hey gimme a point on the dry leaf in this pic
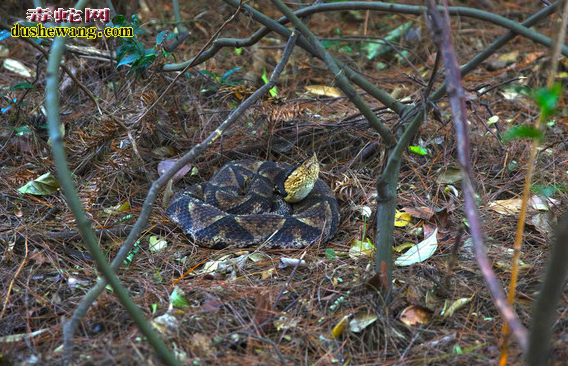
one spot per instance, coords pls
(339, 327)
(421, 212)
(449, 175)
(420, 252)
(402, 219)
(513, 206)
(361, 320)
(361, 248)
(414, 314)
(18, 68)
(324, 91)
(456, 305)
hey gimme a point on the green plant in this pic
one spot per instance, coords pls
(11, 99)
(132, 51)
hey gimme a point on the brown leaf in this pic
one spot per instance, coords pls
(415, 314)
(422, 212)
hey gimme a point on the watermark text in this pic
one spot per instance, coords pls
(39, 31)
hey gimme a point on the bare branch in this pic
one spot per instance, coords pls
(440, 26)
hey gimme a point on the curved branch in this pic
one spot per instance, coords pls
(340, 78)
(419, 10)
(498, 43)
(274, 26)
(514, 27)
(160, 183)
(70, 192)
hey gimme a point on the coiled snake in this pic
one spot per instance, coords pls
(248, 203)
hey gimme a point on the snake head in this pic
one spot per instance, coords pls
(300, 180)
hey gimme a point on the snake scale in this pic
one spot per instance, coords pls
(249, 203)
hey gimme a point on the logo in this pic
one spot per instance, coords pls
(73, 16)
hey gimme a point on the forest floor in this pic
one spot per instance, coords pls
(247, 307)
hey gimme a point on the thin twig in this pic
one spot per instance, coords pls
(540, 124)
(52, 102)
(14, 279)
(439, 24)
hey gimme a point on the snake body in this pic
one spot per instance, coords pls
(240, 207)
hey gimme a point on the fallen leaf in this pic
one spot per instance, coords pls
(414, 314)
(513, 206)
(365, 211)
(44, 185)
(18, 68)
(507, 265)
(401, 219)
(421, 212)
(361, 320)
(339, 327)
(503, 61)
(420, 252)
(455, 306)
(544, 222)
(292, 262)
(166, 324)
(361, 248)
(449, 175)
(402, 247)
(157, 243)
(21, 336)
(168, 163)
(324, 91)
(120, 207)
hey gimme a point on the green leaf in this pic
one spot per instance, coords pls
(160, 37)
(523, 132)
(547, 99)
(347, 49)
(238, 51)
(418, 150)
(147, 59)
(264, 76)
(212, 75)
(118, 20)
(380, 47)
(226, 75)
(178, 300)
(330, 254)
(128, 59)
(549, 191)
(328, 44)
(21, 130)
(273, 91)
(24, 85)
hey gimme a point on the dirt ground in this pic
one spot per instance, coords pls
(247, 307)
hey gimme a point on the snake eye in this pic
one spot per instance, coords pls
(301, 179)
